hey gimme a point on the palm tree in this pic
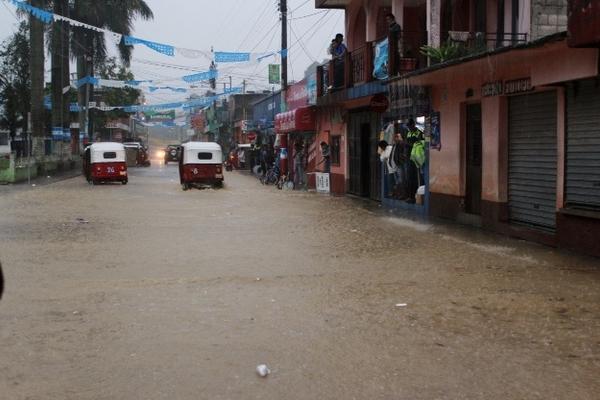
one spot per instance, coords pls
(89, 47)
(36, 38)
(59, 49)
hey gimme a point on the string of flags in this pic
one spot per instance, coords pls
(193, 103)
(166, 49)
(151, 86)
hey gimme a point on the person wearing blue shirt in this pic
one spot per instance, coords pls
(338, 51)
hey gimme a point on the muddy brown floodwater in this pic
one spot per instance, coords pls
(148, 292)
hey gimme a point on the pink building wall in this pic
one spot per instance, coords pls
(546, 65)
(330, 122)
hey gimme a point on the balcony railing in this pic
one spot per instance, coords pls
(475, 42)
(357, 67)
(362, 65)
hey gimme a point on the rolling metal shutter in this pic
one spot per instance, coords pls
(532, 160)
(582, 183)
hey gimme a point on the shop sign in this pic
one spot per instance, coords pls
(301, 119)
(274, 74)
(311, 88)
(492, 89)
(323, 183)
(198, 122)
(297, 95)
(506, 88)
(517, 86)
(117, 125)
(248, 125)
(379, 103)
(160, 116)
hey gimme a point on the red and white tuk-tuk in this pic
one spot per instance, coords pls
(105, 162)
(201, 163)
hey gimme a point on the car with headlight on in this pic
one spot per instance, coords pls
(172, 153)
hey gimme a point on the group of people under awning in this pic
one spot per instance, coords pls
(403, 160)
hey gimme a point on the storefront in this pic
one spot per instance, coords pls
(401, 187)
(578, 221)
(331, 129)
(519, 142)
(296, 131)
(364, 124)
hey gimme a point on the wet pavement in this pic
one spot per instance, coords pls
(145, 291)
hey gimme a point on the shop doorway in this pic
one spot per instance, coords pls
(365, 159)
(474, 160)
(364, 168)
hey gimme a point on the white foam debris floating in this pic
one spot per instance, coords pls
(262, 370)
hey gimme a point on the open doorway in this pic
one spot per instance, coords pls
(365, 160)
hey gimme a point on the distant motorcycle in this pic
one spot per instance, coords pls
(1, 281)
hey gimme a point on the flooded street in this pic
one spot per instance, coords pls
(145, 291)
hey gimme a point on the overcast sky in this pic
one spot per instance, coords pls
(225, 25)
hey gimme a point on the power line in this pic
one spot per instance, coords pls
(308, 15)
(300, 6)
(268, 3)
(302, 45)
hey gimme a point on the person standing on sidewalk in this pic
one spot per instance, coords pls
(1, 281)
(326, 154)
(299, 165)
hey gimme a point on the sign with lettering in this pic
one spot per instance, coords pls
(517, 86)
(323, 185)
(506, 88)
(297, 95)
(379, 103)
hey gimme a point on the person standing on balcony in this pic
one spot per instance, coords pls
(338, 51)
(395, 34)
(337, 48)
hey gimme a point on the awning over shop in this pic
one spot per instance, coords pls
(299, 120)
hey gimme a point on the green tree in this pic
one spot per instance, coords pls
(90, 47)
(111, 69)
(15, 82)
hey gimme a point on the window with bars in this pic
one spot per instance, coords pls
(335, 150)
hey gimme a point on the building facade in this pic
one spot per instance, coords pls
(511, 120)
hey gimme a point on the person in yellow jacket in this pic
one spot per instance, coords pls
(414, 138)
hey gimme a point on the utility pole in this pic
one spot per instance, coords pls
(284, 45)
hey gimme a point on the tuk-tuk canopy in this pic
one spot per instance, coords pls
(202, 153)
(107, 152)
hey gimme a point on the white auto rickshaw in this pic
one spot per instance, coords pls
(201, 163)
(105, 162)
